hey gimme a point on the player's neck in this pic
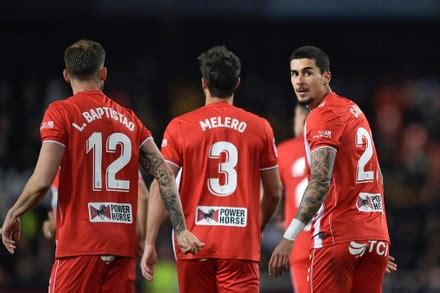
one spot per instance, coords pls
(317, 102)
(85, 86)
(210, 99)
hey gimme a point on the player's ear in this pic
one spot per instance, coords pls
(327, 77)
(66, 76)
(103, 74)
(204, 84)
(238, 83)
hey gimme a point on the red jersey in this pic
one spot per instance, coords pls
(97, 196)
(292, 161)
(354, 208)
(222, 149)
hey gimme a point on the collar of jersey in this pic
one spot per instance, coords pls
(219, 103)
(91, 92)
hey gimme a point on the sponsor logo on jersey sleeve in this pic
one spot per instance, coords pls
(323, 134)
(221, 216)
(100, 212)
(48, 124)
(369, 202)
(164, 142)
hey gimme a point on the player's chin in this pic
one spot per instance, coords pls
(304, 99)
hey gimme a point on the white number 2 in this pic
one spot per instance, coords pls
(227, 168)
(94, 143)
(362, 175)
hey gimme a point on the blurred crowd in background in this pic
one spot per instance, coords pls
(389, 68)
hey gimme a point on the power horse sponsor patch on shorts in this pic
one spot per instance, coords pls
(111, 212)
(221, 216)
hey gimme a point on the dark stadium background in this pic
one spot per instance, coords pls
(384, 55)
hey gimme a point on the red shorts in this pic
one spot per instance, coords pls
(298, 274)
(218, 275)
(89, 273)
(356, 266)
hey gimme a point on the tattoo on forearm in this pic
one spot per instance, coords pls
(156, 166)
(323, 160)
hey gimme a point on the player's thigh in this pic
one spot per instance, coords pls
(331, 269)
(77, 274)
(197, 275)
(370, 269)
(299, 275)
(118, 277)
(235, 275)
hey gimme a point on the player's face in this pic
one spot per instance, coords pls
(309, 84)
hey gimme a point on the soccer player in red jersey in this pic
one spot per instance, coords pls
(224, 152)
(99, 145)
(344, 195)
(292, 162)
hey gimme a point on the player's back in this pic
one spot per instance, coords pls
(354, 208)
(99, 174)
(222, 149)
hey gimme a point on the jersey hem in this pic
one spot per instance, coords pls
(94, 253)
(349, 240)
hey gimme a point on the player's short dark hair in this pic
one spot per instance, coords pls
(83, 59)
(311, 52)
(220, 69)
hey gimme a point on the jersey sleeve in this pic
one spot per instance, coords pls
(53, 128)
(144, 133)
(170, 148)
(323, 128)
(269, 157)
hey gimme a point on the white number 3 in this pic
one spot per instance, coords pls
(227, 168)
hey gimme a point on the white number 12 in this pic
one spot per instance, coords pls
(94, 143)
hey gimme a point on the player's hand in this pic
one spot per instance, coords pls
(279, 261)
(49, 226)
(149, 260)
(11, 232)
(188, 242)
(391, 265)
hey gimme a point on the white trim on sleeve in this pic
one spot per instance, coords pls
(53, 141)
(269, 168)
(324, 146)
(142, 143)
(172, 163)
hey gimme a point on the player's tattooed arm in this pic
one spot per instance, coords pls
(322, 163)
(152, 161)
